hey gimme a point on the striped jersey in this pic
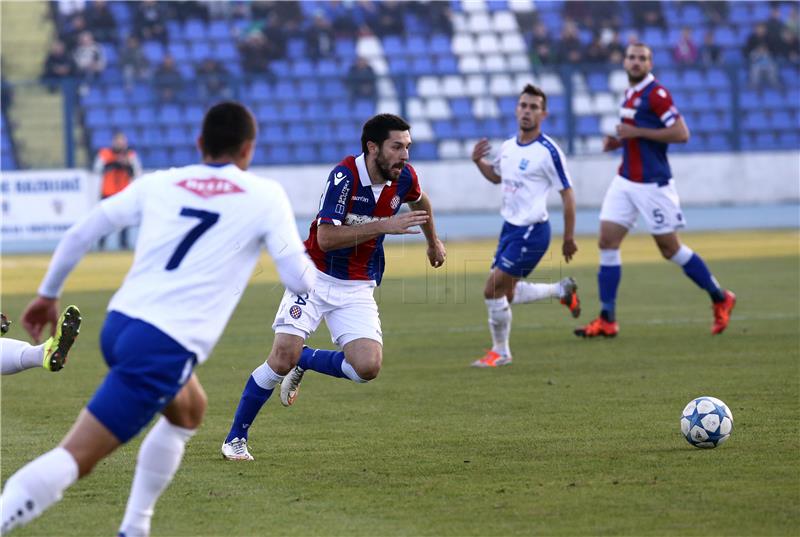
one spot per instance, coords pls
(528, 172)
(648, 104)
(350, 199)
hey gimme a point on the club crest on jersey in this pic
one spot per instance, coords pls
(395, 203)
(295, 312)
(208, 188)
(524, 163)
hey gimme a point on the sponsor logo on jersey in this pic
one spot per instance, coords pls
(362, 199)
(344, 195)
(524, 163)
(395, 203)
(208, 188)
(361, 219)
(338, 178)
(295, 312)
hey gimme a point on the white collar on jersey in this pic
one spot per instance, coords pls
(363, 173)
(641, 85)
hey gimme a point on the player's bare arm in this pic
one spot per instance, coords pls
(677, 133)
(41, 311)
(436, 250)
(569, 248)
(331, 237)
(479, 156)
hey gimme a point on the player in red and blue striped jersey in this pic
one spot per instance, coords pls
(359, 207)
(644, 185)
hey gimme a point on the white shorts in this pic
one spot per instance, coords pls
(348, 307)
(659, 205)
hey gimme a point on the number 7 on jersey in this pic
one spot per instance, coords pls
(207, 219)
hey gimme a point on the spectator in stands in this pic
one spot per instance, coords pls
(69, 8)
(167, 80)
(647, 13)
(346, 19)
(542, 49)
(135, 65)
(595, 51)
(361, 80)
(715, 11)
(615, 50)
(117, 165)
(213, 80)
(593, 15)
(388, 19)
(319, 38)
(189, 9)
(58, 66)
(71, 31)
(685, 51)
(100, 21)
(789, 47)
(437, 15)
(763, 69)
(256, 52)
(775, 26)
(90, 60)
(710, 52)
(793, 21)
(570, 49)
(149, 21)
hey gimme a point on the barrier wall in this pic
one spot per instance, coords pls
(39, 205)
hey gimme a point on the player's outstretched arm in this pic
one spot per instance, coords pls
(569, 248)
(479, 156)
(331, 237)
(41, 311)
(436, 250)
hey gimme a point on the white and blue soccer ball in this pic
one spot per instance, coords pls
(706, 422)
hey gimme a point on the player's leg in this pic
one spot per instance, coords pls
(42, 482)
(160, 456)
(282, 358)
(496, 293)
(354, 322)
(20, 355)
(617, 215)
(51, 355)
(696, 270)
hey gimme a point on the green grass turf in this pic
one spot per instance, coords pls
(577, 437)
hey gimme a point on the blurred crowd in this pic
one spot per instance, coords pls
(261, 30)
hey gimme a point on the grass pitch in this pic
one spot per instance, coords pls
(577, 437)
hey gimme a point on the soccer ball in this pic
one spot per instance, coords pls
(706, 422)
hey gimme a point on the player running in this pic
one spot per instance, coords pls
(359, 207)
(644, 185)
(528, 166)
(202, 228)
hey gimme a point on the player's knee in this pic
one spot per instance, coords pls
(193, 417)
(368, 367)
(283, 358)
(607, 243)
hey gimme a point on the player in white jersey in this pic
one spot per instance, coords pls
(527, 166)
(202, 228)
(19, 355)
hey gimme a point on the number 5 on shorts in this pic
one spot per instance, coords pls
(207, 219)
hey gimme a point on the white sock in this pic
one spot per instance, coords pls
(35, 487)
(526, 292)
(265, 377)
(350, 372)
(159, 458)
(499, 324)
(19, 355)
(682, 256)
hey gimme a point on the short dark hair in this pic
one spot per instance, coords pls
(377, 128)
(226, 126)
(530, 89)
(639, 44)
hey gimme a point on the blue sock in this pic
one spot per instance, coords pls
(322, 361)
(608, 278)
(253, 398)
(698, 272)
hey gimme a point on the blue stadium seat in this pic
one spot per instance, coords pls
(718, 79)
(444, 128)
(175, 135)
(219, 30)
(461, 107)
(774, 99)
(280, 68)
(345, 49)
(302, 68)
(424, 151)
(292, 111)
(422, 65)
(339, 110)
(447, 64)
(170, 114)
(97, 117)
(200, 51)
(597, 81)
(297, 132)
(755, 121)
(193, 115)
(272, 132)
(693, 79)
(309, 89)
(789, 140)
(121, 117)
(284, 91)
(328, 67)
(258, 90)
(718, 142)
(116, 96)
(195, 30)
(416, 45)
(587, 126)
(363, 109)
(655, 37)
(790, 76)
(393, 43)
(226, 52)
(304, 153)
(468, 128)
(154, 52)
(440, 44)
(335, 89)
(146, 116)
(183, 156)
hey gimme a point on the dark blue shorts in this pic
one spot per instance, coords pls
(148, 368)
(520, 248)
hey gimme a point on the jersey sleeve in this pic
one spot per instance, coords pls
(557, 172)
(336, 198)
(662, 105)
(124, 208)
(414, 193)
(281, 236)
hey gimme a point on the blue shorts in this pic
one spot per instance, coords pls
(148, 368)
(520, 248)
